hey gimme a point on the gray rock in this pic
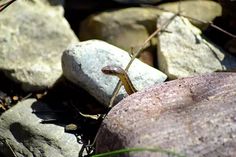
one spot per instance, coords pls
(182, 51)
(32, 42)
(203, 10)
(82, 64)
(21, 130)
(190, 117)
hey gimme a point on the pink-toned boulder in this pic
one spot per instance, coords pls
(193, 116)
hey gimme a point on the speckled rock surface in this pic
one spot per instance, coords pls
(32, 42)
(182, 51)
(192, 116)
(82, 64)
(22, 130)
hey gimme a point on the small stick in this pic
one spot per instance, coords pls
(129, 64)
(9, 146)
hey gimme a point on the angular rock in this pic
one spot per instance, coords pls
(228, 22)
(21, 130)
(52, 4)
(82, 64)
(204, 10)
(183, 52)
(123, 31)
(192, 117)
(31, 43)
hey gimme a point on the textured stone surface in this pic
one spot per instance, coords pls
(204, 10)
(183, 52)
(124, 28)
(191, 116)
(32, 41)
(22, 130)
(82, 64)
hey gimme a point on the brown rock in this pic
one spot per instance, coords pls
(203, 10)
(192, 116)
(147, 57)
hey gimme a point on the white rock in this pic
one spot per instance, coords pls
(82, 64)
(182, 51)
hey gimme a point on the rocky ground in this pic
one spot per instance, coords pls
(53, 94)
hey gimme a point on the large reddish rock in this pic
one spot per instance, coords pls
(193, 116)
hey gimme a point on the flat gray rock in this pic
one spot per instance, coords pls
(182, 51)
(82, 64)
(33, 37)
(194, 117)
(22, 130)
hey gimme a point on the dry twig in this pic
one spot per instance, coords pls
(137, 52)
(118, 86)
